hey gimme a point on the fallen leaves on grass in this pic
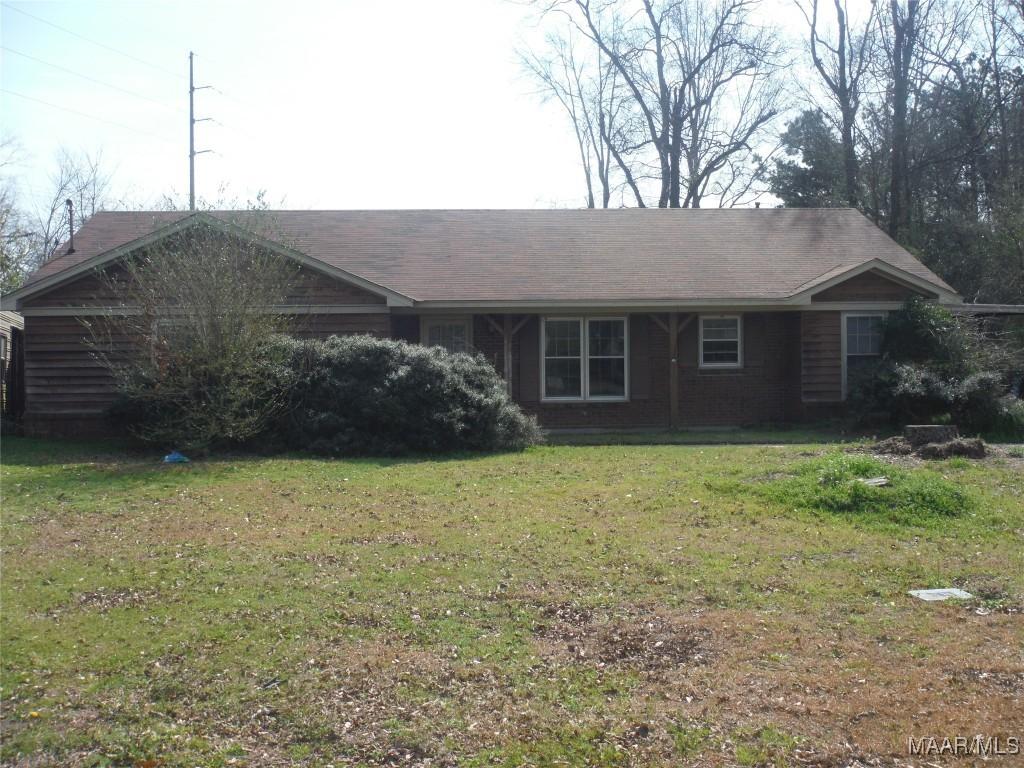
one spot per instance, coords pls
(636, 638)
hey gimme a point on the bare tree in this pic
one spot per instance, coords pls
(698, 89)
(15, 234)
(842, 60)
(587, 91)
(81, 178)
(188, 354)
(921, 40)
(728, 95)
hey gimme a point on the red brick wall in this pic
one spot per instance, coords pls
(648, 409)
(764, 390)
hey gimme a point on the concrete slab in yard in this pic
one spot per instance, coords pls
(932, 595)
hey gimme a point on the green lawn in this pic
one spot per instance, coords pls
(570, 605)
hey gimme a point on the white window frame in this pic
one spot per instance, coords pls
(426, 321)
(739, 342)
(585, 396)
(842, 346)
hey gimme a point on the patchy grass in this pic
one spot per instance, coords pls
(605, 606)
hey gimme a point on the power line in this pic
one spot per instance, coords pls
(94, 42)
(92, 79)
(86, 114)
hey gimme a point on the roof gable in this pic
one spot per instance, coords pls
(153, 228)
(873, 285)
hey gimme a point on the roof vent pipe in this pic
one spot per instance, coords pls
(71, 224)
(757, 205)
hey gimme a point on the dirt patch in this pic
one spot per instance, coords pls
(103, 600)
(970, 447)
(894, 446)
(1005, 681)
(638, 638)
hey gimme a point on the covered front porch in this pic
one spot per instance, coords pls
(604, 369)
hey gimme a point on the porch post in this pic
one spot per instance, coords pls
(673, 370)
(508, 332)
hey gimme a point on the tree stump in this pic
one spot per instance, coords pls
(922, 434)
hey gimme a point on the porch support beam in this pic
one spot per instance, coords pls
(673, 370)
(508, 331)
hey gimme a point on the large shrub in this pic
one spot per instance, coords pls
(191, 356)
(937, 366)
(362, 395)
(192, 401)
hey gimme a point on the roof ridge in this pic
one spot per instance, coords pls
(603, 211)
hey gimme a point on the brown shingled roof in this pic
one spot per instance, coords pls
(558, 255)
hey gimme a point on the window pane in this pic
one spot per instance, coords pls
(451, 336)
(721, 352)
(720, 341)
(607, 377)
(863, 335)
(607, 338)
(727, 328)
(562, 378)
(562, 338)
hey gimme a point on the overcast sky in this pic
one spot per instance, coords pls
(333, 104)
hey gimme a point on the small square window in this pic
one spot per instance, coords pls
(720, 342)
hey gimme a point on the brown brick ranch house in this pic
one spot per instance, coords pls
(596, 319)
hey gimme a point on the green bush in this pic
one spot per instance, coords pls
(1009, 425)
(197, 401)
(362, 395)
(832, 484)
(979, 401)
(924, 332)
(937, 367)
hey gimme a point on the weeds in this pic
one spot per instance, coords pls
(834, 485)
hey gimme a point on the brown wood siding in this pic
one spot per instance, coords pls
(869, 286)
(322, 326)
(313, 287)
(93, 289)
(61, 374)
(821, 365)
(68, 391)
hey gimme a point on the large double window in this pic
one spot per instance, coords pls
(584, 358)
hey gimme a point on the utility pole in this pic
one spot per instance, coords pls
(192, 88)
